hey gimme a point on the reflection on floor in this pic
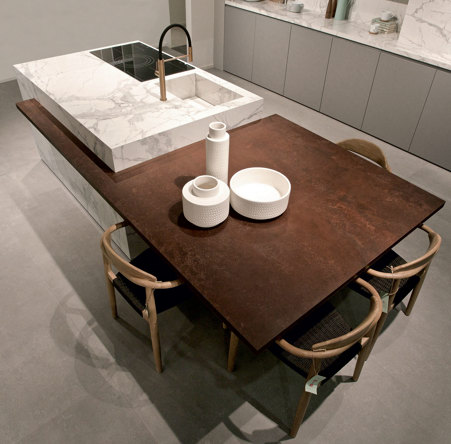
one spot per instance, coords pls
(70, 373)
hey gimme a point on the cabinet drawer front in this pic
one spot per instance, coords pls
(239, 30)
(270, 53)
(308, 57)
(349, 78)
(399, 92)
(432, 139)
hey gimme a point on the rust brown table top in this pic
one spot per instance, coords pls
(260, 277)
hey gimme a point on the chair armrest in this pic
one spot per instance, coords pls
(166, 284)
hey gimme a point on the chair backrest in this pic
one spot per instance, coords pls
(416, 266)
(132, 273)
(338, 345)
(366, 149)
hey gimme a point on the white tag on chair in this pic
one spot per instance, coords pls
(312, 384)
(385, 299)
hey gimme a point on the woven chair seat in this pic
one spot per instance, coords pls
(135, 295)
(391, 259)
(324, 324)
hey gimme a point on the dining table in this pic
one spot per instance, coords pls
(260, 277)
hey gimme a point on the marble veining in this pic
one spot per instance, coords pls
(121, 119)
(355, 29)
(428, 24)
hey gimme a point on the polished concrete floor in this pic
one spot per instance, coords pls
(70, 373)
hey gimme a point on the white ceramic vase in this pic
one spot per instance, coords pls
(217, 151)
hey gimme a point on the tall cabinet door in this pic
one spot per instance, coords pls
(399, 92)
(270, 53)
(308, 57)
(239, 30)
(432, 139)
(348, 81)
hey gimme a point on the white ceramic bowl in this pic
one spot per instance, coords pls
(259, 193)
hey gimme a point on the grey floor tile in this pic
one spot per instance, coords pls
(92, 421)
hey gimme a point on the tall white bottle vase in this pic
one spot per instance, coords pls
(217, 151)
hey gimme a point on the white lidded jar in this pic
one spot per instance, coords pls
(217, 151)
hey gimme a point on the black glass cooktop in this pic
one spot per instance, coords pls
(139, 60)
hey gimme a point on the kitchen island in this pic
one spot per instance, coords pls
(122, 119)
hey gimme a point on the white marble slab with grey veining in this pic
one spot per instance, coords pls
(356, 29)
(121, 119)
(427, 24)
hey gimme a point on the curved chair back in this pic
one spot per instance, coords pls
(335, 346)
(416, 266)
(366, 149)
(134, 274)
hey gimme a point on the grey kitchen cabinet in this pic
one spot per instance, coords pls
(397, 99)
(272, 38)
(348, 83)
(308, 56)
(239, 32)
(432, 139)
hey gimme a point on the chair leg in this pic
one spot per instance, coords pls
(300, 413)
(112, 298)
(153, 325)
(304, 400)
(379, 326)
(233, 347)
(359, 365)
(362, 357)
(155, 338)
(110, 289)
(414, 295)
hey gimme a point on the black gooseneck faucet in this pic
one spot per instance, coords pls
(160, 71)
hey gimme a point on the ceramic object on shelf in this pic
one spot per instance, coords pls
(341, 12)
(259, 193)
(374, 28)
(205, 201)
(217, 151)
(295, 6)
(384, 27)
(331, 7)
(386, 15)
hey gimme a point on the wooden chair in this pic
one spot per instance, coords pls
(392, 275)
(323, 344)
(138, 285)
(366, 149)
(394, 278)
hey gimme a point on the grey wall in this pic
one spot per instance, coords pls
(35, 29)
(200, 21)
(218, 50)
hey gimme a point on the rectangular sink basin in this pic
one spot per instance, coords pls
(199, 90)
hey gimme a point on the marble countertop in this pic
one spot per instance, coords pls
(356, 31)
(113, 113)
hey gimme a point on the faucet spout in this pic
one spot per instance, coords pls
(162, 61)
